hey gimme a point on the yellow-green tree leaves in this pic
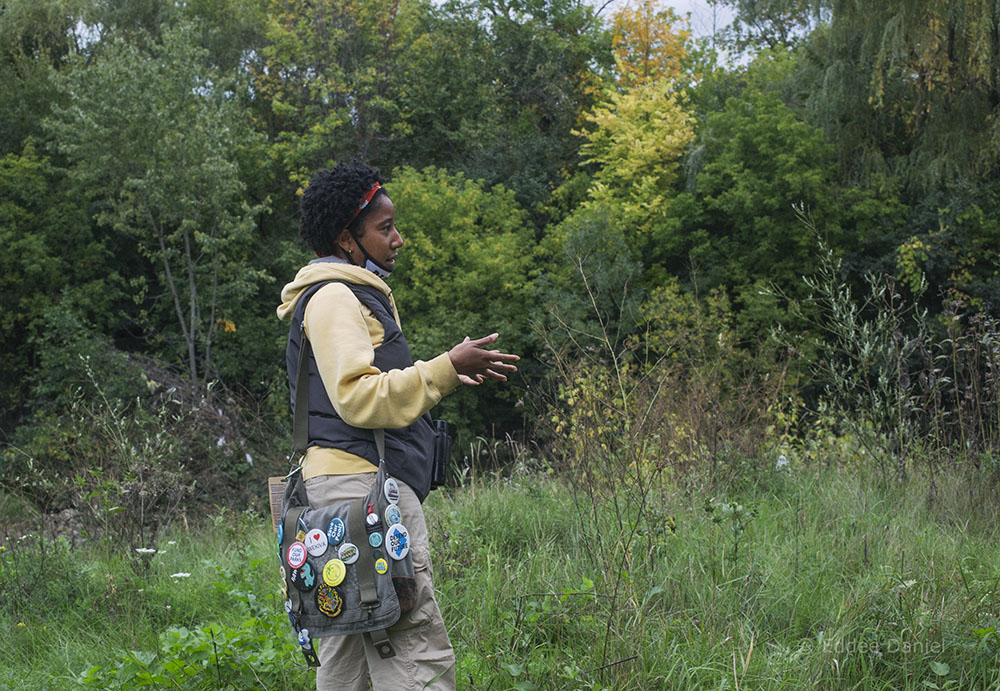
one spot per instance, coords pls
(647, 45)
(637, 141)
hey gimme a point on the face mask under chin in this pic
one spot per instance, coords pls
(376, 269)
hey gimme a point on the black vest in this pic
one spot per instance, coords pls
(408, 450)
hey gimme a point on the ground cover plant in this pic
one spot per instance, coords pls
(839, 582)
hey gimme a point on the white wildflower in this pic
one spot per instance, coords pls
(249, 459)
(180, 574)
(145, 550)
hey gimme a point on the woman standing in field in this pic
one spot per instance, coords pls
(362, 377)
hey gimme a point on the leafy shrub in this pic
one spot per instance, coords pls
(252, 655)
(468, 271)
(128, 447)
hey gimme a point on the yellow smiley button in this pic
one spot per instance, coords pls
(334, 572)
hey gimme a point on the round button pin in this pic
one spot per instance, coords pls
(391, 491)
(393, 515)
(304, 578)
(397, 541)
(334, 572)
(348, 553)
(375, 539)
(372, 519)
(296, 555)
(335, 532)
(316, 542)
(381, 566)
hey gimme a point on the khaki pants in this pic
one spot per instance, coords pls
(424, 658)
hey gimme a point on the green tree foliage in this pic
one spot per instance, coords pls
(329, 76)
(592, 286)
(36, 37)
(908, 94)
(466, 270)
(545, 62)
(491, 89)
(151, 134)
(911, 88)
(550, 164)
(469, 260)
(48, 252)
(773, 24)
(633, 140)
(735, 224)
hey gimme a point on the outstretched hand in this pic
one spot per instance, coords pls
(475, 364)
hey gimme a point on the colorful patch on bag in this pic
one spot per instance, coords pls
(397, 541)
(328, 600)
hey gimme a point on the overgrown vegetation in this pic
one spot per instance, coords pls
(839, 583)
(754, 441)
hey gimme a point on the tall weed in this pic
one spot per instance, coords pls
(915, 393)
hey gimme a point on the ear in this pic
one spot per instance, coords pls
(345, 241)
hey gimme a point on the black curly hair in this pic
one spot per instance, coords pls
(328, 204)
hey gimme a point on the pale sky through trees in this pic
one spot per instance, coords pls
(701, 12)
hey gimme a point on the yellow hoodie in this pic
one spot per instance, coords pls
(344, 334)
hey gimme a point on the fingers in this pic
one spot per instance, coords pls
(495, 375)
(485, 340)
(500, 365)
(475, 364)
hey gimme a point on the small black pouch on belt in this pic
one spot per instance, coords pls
(442, 454)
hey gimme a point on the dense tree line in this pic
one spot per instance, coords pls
(546, 159)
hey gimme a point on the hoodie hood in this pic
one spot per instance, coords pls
(319, 271)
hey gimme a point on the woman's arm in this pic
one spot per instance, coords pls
(364, 396)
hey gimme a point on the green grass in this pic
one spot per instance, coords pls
(839, 584)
